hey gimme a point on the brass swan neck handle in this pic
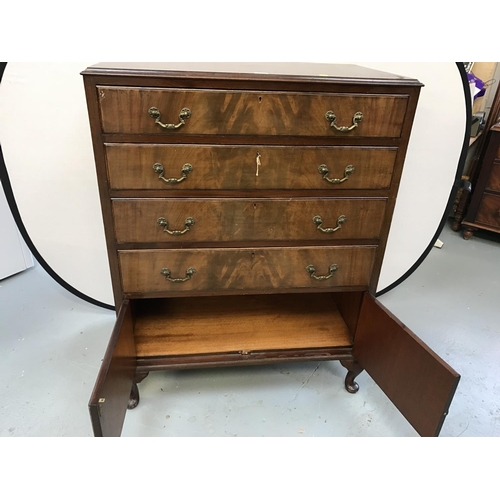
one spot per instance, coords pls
(332, 118)
(323, 170)
(319, 222)
(188, 223)
(312, 272)
(167, 273)
(184, 115)
(185, 171)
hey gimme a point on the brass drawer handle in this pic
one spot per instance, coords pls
(312, 271)
(323, 170)
(187, 225)
(167, 273)
(319, 221)
(356, 119)
(185, 171)
(183, 116)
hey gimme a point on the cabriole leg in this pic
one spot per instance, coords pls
(354, 369)
(134, 393)
(133, 400)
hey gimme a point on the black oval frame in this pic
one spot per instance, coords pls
(7, 187)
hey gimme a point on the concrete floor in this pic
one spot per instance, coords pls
(52, 343)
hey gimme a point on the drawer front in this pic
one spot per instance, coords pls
(146, 271)
(494, 179)
(489, 211)
(235, 167)
(229, 220)
(221, 112)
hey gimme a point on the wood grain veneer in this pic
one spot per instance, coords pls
(238, 220)
(130, 166)
(125, 110)
(243, 270)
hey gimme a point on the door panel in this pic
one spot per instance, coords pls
(419, 383)
(109, 399)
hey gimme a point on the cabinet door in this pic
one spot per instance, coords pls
(419, 383)
(109, 400)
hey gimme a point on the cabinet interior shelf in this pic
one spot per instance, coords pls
(203, 325)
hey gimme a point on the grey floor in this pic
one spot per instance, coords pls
(52, 343)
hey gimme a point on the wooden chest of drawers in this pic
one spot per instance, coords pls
(484, 209)
(246, 212)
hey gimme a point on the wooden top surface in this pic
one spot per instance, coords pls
(281, 71)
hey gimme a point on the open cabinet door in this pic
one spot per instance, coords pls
(419, 383)
(109, 400)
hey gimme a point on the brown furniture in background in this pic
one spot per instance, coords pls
(484, 209)
(475, 180)
(247, 209)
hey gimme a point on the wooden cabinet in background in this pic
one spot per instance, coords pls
(247, 209)
(484, 209)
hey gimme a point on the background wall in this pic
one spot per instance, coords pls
(47, 148)
(431, 163)
(14, 254)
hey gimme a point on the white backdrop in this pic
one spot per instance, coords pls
(47, 148)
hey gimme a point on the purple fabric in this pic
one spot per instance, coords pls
(478, 83)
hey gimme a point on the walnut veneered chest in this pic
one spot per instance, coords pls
(246, 210)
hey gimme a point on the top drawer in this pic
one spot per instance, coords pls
(130, 110)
